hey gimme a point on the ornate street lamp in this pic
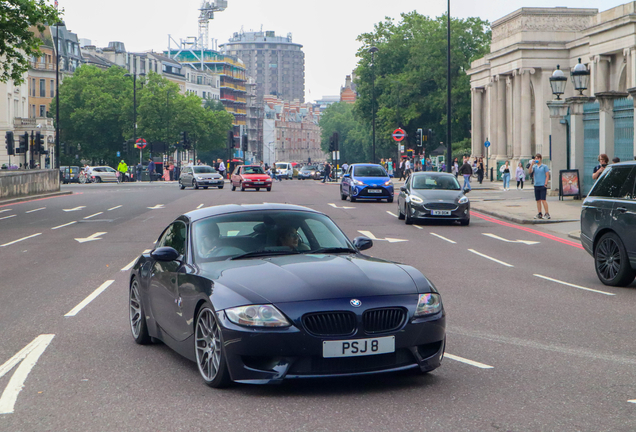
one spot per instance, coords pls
(558, 82)
(580, 77)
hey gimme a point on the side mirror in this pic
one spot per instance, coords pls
(165, 254)
(346, 176)
(403, 188)
(362, 243)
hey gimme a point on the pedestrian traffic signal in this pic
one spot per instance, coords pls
(24, 142)
(10, 143)
(418, 138)
(244, 142)
(39, 143)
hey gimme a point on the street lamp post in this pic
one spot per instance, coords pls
(449, 146)
(373, 50)
(558, 82)
(57, 95)
(580, 77)
(134, 75)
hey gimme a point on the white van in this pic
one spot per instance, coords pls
(285, 169)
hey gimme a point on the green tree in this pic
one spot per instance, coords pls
(410, 76)
(354, 135)
(18, 42)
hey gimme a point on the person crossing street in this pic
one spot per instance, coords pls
(466, 170)
(122, 169)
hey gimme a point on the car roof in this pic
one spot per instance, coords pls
(236, 208)
(433, 173)
(626, 163)
(366, 164)
(201, 166)
(252, 166)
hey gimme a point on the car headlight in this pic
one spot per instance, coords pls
(428, 304)
(463, 200)
(199, 178)
(416, 199)
(389, 183)
(257, 316)
(357, 182)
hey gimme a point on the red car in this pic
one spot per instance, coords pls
(250, 177)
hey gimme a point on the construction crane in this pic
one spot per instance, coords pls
(207, 13)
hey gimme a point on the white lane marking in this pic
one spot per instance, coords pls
(19, 240)
(34, 210)
(490, 258)
(28, 356)
(93, 215)
(200, 206)
(372, 237)
(632, 401)
(418, 227)
(132, 263)
(65, 225)
(7, 217)
(470, 362)
(89, 299)
(443, 238)
(5, 210)
(573, 286)
(92, 237)
(75, 209)
(114, 208)
(158, 206)
(527, 242)
(392, 214)
(343, 207)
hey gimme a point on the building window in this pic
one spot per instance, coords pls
(52, 88)
(33, 87)
(42, 110)
(42, 88)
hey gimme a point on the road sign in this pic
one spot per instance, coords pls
(118, 154)
(487, 144)
(399, 134)
(140, 143)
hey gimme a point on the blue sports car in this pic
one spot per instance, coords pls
(366, 181)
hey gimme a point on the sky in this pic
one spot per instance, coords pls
(326, 28)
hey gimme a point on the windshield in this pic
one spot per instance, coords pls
(309, 168)
(253, 170)
(427, 181)
(369, 171)
(204, 170)
(264, 233)
(281, 166)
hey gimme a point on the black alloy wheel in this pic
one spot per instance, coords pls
(182, 187)
(400, 214)
(137, 316)
(611, 261)
(98, 179)
(195, 184)
(242, 188)
(208, 346)
(389, 200)
(343, 197)
(407, 217)
(352, 198)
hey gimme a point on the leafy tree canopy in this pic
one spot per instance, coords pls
(18, 43)
(354, 136)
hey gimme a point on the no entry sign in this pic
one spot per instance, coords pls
(399, 134)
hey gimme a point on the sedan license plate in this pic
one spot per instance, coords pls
(358, 347)
(441, 212)
(375, 191)
(258, 182)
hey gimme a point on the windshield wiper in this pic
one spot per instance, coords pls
(330, 250)
(264, 253)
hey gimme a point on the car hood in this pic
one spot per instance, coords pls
(373, 181)
(293, 278)
(438, 195)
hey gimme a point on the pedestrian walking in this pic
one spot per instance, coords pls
(455, 167)
(541, 174)
(171, 171)
(520, 175)
(390, 167)
(327, 172)
(122, 168)
(151, 169)
(505, 171)
(345, 167)
(603, 161)
(466, 170)
(221, 168)
(139, 169)
(480, 170)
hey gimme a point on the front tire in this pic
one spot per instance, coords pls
(242, 188)
(389, 200)
(137, 317)
(182, 187)
(208, 347)
(343, 197)
(269, 189)
(220, 187)
(352, 198)
(465, 222)
(233, 188)
(195, 184)
(400, 214)
(407, 217)
(611, 261)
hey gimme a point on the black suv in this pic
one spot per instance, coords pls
(608, 224)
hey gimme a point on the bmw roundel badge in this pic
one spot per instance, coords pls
(355, 303)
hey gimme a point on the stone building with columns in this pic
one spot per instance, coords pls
(512, 102)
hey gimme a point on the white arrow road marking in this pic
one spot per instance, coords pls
(443, 238)
(158, 206)
(344, 207)
(75, 209)
(490, 258)
(19, 240)
(7, 217)
(512, 241)
(93, 215)
(470, 362)
(114, 208)
(29, 356)
(632, 401)
(392, 214)
(574, 286)
(38, 209)
(65, 225)
(91, 238)
(372, 237)
(89, 299)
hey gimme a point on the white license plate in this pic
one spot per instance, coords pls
(258, 182)
(358, 347)
(441, 212)
(375, 191)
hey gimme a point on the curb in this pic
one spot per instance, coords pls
(35, 197)
(575, 235)
(521, 220)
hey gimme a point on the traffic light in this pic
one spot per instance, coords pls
(230, 139)
(429, 136)
(10, 143)
(39, 143)
(418, 138)
(336, 144)
(332, 144)
(24, 142)
(62, 149)
(244, 142)
(124, 148)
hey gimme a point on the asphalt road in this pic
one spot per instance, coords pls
(535, 341)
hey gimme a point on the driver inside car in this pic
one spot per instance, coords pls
(210, 240)
(288, 236)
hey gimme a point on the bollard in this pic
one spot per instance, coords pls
(491, 174)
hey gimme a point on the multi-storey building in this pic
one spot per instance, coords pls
(348, 92)
(276, 64)
(202, 83)
(254, 121)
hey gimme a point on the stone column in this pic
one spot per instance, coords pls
(516, 114)
(558, 135)
(576, 131)
(492, 119)
(477, 122)
(602, 76)
(501, 144)
(627, 54)
(526, 113)
(606, 121)
(632, 93)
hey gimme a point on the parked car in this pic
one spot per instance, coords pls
(265, 293)
(309, 172)
(285, 170)
(608, 224)
(433, 196)
(366, 181)
(200, 176)
(250, 177)
(69, 174)
(101, 174)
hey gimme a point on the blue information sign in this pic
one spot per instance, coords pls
(118, 154)
(487, 144)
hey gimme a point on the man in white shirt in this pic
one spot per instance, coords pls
(407, 167)
(345, 167)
